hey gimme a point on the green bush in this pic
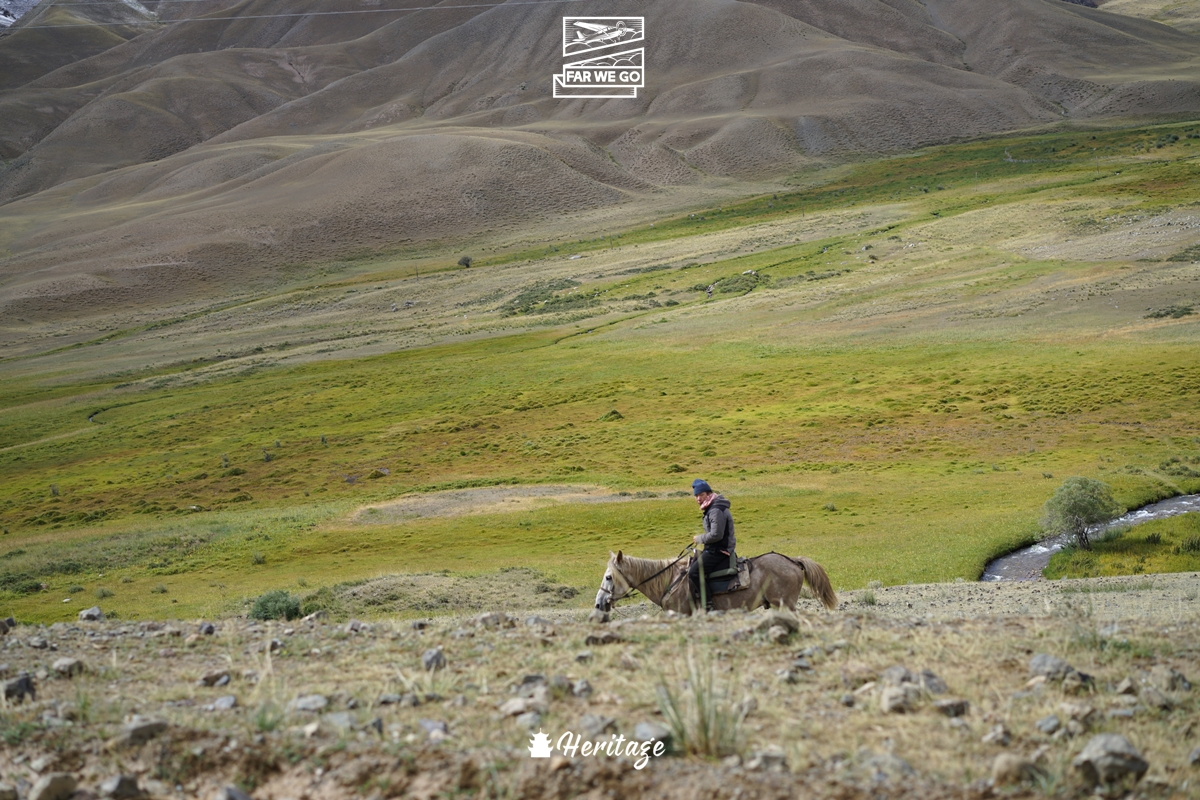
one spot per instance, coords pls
(1079, 504)
(277, 604)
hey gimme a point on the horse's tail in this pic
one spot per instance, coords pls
(818, 581)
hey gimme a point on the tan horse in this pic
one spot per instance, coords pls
(775, 580)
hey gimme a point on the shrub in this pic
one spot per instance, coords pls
(258, 558)
(276, 604)
(1154, 538)
(1190, 545)
(1078, 505)
(159, 589)
(703, 717)
(75, 590)
(102, 593)
(465, 261)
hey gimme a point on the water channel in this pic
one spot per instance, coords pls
(1027, 563)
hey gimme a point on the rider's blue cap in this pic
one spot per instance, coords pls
(700, 487)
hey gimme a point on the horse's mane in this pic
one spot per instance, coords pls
(640, 570)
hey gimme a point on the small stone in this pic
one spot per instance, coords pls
(225, 703)
(435, 729)
(388, 699)
(1126, 686)
(539, 622)
(140, 730)
(847, 700)
(629, 662)
(1168, 679)
(216, 678)
(69, 667)
(1108, 758)
(652, 732)
(856, 674)
(952, 707)
(1052, 667)
(315, 616)
(206, 629)
(19, 688)
(529, 720)
(8, 792)
(1075, 681)
(341, 720)
(769, 759)
(581, 688)
(419, 624)
(1009, 770)
(931, 683)
(515, 707)
(778, 634)
(494, 619)
(310, 702)
(121, 787)
(1153, 698)
(592, 725)
(1048, 725)
(1078, 712)
(232, 793)
(528, 685)
(434, 659)
(38, 643)
(608, 637)
(802, 664)
(356, 626)
(897, 675)
(93, 614)
(55, 786)
(598, 616)
(583, 656)
(997, 735)
(1194, 757)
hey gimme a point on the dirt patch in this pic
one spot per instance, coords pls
(489, 500)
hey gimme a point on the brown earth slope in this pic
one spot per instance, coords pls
(150, 160)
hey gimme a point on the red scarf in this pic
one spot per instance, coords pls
(704, 506)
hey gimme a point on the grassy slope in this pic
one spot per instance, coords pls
(902, 444)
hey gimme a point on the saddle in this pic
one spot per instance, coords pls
(729, 580)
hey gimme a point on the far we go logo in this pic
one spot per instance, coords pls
(570, 744)
(611, 75)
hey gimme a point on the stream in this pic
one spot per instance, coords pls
(1027, 563)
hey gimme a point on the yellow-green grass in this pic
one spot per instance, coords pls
(910, 449)
(1161, 545)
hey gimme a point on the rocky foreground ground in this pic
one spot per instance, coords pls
(1058, 689)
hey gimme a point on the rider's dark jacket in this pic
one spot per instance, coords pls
(718, 527)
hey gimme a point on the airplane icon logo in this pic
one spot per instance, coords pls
(585, 34)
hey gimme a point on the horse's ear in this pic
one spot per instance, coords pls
(620, 556)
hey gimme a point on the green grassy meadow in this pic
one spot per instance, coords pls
(896, 402)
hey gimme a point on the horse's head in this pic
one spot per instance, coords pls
(614, 586)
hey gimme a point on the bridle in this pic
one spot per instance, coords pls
(633, 587)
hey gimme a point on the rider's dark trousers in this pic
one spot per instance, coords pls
(713, 562)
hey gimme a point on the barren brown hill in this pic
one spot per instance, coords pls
(188, 155)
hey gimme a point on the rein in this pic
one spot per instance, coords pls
(634, 587)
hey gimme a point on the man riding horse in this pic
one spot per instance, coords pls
(718, 540)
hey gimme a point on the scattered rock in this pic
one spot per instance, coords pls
(652, 732)
(1168, 679)
(206, 629)
(629, 662)
(139, 730)
(19, 688)
(1153, 698)
(225, 703)
(529, 720)
(775, 618)
(356, 626)
(583, 656)
(931, 683)
(1126, 686)
(539, 622)
(1049, 724)
(847, 700)
(997, 735)
(310, 702)
(592, 725)
(38, 643)
(952, 707)
(598, 616)
(93, 614)
(896, 676)
(778, 634)
(1009, 769)
(494, 619)
(55, 786)
(1194, 757)
(69, 667)
(1081, 713)
(342, 721)
(771, 759)
(121, 787)
(216, 678)
(528, 685)
(1051, 667)
(1109, 758)
(433, 659)
(435, 729)
(608, 637)
(232, 793)
(581, 688)
(1076, 681)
